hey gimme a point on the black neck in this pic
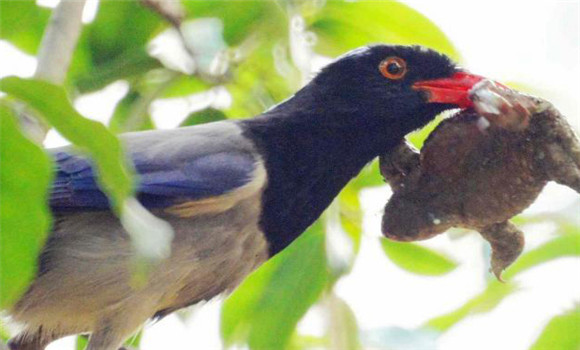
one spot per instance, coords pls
(310, 156)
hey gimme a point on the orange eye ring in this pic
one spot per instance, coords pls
(393, 68)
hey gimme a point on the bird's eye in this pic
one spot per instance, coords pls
(393, 68)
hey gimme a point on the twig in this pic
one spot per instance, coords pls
(139, 108)
(59, 41)
(54, 56)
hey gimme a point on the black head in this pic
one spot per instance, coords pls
(355, 109)
(404, 86)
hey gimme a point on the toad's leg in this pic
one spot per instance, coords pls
(507, 243)
(559, 156)
(398, 164)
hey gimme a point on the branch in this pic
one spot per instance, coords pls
(59, 41)
(54, 55)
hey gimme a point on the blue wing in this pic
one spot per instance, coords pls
(162, 181)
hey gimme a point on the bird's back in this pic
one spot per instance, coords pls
(217, 236)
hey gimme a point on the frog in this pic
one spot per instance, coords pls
(480, 168)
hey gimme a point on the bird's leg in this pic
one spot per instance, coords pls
(397, 164)
(507, 243)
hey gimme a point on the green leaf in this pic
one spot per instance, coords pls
(351, 214)
(120, 27)
(265, 308)
(345, 25)
(151, 237)
(23, 23)
(131, 114)
(81, 342)
(418, 138)
(567, 245)
(562, 333)
(417, 259)
(486, 301)
(302, 342)
(343, 328)
(255, 85)
(132, 63)
(207, 115)
(25, 175)
(90, 136)
(495, 292)
(135, 341)
(242, 18)
(185, 85)
(132, 343)
(4, 333)
(370, 176)
(113, 46)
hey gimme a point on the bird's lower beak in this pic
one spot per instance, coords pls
(453, 90)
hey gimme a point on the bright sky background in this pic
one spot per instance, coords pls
(533, 43)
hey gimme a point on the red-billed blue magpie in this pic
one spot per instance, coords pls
(235, 193)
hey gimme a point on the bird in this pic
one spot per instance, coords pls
(235, 192)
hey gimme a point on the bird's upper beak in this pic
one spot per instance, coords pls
(453, 90)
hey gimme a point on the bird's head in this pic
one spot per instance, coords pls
(403, 86)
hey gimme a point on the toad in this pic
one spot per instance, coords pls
(480, 168)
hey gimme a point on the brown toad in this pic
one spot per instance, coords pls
(480, 168)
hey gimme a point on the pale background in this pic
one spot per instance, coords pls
(535, 44)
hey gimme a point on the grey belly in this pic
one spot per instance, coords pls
(85, 271)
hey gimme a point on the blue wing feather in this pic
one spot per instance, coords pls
(161, 182)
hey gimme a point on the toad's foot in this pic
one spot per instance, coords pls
(398, 164)
(507, 243)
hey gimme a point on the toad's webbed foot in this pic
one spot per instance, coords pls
(399, 163)
(507, 243)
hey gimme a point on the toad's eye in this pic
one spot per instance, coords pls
(393, 68)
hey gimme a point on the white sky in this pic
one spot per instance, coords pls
(535, 43)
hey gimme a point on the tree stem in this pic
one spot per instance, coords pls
(54, 56)
(59, 41)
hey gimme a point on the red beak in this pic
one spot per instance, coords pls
(453, 90)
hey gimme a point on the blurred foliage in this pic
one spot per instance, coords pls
(417, 259)
(91, 137)
(563, 332)
(25, 173)
(4, 334)
(565, 245)
(132, 343)
(260, 71)
(343, 26)
(207, 115)
(255, 313)
(343, 329)
(16, 15)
